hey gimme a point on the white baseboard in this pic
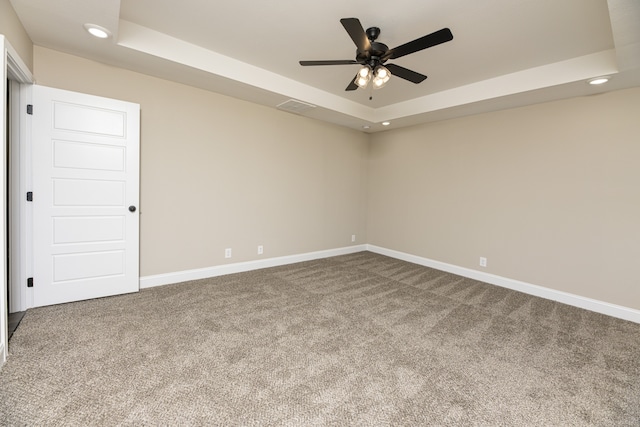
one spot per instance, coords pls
(597, 306)
(240, 267)
(602, 307)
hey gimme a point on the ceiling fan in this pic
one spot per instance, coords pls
(372, 55)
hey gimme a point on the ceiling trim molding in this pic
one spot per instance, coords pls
(563, 72)
(624, 16)
(146, 40)
(613, 49)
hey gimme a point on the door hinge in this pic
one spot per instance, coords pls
(30, 109)
(29, 196)
(30, 282)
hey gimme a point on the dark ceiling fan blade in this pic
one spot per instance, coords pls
(330, 62)
(405, 73)
(356, 32)
(352, 85)
(441, 36)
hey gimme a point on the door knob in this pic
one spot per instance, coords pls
(132, 208)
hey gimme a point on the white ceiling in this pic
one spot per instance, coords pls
(505, 53)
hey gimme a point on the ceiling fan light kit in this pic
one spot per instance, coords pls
(371, 55)
(363, 77)
(380, 77)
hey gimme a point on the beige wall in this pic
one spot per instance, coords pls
(13, 30)
(219, 173)
(549, 193)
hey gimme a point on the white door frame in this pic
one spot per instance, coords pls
(13, 67)
(20, 224)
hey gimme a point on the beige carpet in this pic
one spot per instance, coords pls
(359, 339)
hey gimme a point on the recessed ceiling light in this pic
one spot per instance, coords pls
(599, 80)
(97, 31)
(386, 123)
(366, 127)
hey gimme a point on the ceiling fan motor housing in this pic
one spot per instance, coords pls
(374, 55)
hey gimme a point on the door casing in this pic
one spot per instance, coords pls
(13, 68)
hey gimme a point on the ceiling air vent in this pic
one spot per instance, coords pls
(295, 106)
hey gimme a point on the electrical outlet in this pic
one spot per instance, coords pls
(260, 250)
(227, 253)
(483, 261)
(353, 237)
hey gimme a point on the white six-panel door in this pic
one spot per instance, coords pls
(85, 196)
